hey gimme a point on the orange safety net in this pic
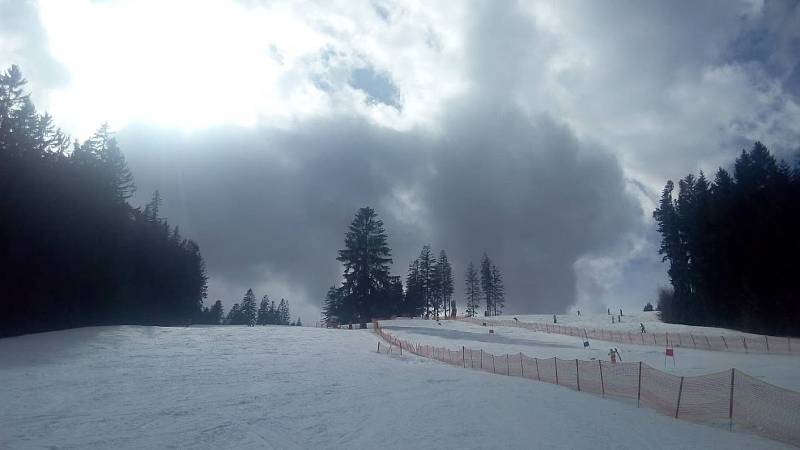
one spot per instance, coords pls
(760, 344)
(730, 397)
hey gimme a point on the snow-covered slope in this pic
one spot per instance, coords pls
(289, 387)
(779, 369)
(630, 323)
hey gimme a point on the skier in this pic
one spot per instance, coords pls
(612, 319)
(643, 330)
(612, 355)
(554, 319)
(609, 311)
(579, 313)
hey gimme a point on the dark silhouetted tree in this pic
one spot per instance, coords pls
(262, 317)
(248, 308)
(732, 246)
(498, 291)
(74, 252)
(487, 285)
(366, 258)
(472, 291)
(216, 313)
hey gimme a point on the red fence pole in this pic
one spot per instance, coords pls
(639, 393)
(508, 366)
(766, 339)
(521, 366)
(680, 391)
(745, 344)
(730, 408)
(493, 368)
(555, 361)
(463, 356)
(538, 377)
(577, 375)
(602, 384)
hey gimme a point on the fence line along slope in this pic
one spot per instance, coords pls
(628, 330)
(730, 397)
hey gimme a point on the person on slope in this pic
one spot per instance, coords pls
(643, 330)
(612, 355)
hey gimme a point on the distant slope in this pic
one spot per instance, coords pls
(630, 323)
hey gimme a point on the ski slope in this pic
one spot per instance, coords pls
(630, 323)
(779, 369)
(294, 387)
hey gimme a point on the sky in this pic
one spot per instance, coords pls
(539, 132)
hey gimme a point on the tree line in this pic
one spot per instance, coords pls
(489, 287)
(368, 290)
(74, 252)
(267, 313)
(732, 246)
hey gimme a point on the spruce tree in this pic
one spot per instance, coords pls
(499, 292)
(414, 301)
(248, 308)
(262, 317)
(731, 245)
(426, 264)
(446, 281)
(472, 291)
(272, 314)
(216, 313)
(332, 306)
(104, 261)
(283, 313)
(234, 316)
(366, 258)
(435, 288)
(487, 284)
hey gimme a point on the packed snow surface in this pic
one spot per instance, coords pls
(779, 369)
(630, 323)
(292, 387)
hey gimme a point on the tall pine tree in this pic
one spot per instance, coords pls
(472, 291)
(248, 309)
(366, 258)
(262, 317)
(487, 284)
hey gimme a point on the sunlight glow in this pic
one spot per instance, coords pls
(194, 64)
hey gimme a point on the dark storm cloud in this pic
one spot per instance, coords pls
(531, 195)
(524, 189)
(274, 205)
(771, 40)
(278, 203)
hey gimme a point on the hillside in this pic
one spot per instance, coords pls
(291, 387)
